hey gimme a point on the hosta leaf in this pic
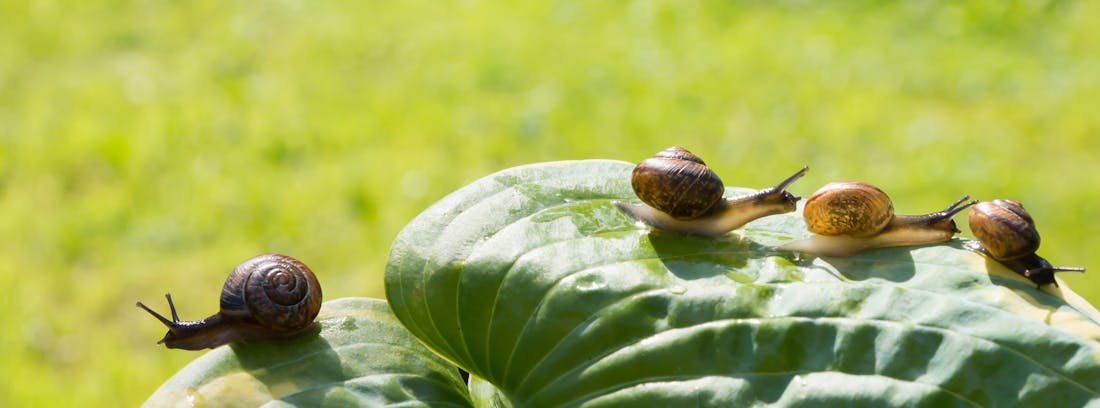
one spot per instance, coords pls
(362, 357)
(532, 280)
(484, 394)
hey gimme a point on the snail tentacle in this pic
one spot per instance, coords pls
(169, 323)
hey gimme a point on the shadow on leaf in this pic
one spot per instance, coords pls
(317, 364)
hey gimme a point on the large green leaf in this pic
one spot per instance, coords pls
(362, 357)
(532, 280)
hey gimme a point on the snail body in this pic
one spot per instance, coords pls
(265, 297)
(850, 217)
(1007, 233)
(681, 194)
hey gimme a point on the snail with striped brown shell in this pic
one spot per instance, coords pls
(265, 297)
(1006, 233)
(849, 217)
(681, 194)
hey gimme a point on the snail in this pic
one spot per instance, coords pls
(265, 297)
(849, 217)
(1006, 233)
(681, 194)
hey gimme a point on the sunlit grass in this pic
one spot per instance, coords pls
(150, 147)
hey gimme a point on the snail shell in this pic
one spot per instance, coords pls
(848, 208)
(681, 194)
(1004, 228)
(266, 297)
(849, 217)
(678, 183)
(1006, 233)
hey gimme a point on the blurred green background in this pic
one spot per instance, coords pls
(150, 146)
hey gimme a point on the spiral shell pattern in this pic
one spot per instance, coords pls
(678, 183)
(848, 208)
(1004, 228)
(276, 291)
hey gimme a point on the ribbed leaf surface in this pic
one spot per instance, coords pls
(532, 280)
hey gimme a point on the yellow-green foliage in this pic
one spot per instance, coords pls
(150, 146)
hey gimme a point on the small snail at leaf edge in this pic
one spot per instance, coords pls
(265, 297)
(681, 194)
(849, 217)
(1006, 233)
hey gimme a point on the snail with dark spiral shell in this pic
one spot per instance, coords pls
(266, 297)
(681, 194)
(1006, 233)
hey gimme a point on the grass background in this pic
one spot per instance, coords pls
(150, 146)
